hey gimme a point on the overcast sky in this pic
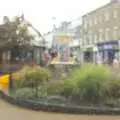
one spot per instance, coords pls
(41, 12)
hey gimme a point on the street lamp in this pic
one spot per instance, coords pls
(95, 51)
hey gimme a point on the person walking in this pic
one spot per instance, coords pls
(115, 63)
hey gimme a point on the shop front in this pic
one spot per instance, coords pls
(88, 53)
(108, 51)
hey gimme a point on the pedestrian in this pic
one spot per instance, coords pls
(115, 63)
(99, 60)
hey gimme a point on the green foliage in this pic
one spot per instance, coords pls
(56, 99)
(16, 34)
(94, 84)
(89, 82)
(54, 88)
(90, 71)
(113, 87)
(35, 78)
(32, 77)
(24, 93)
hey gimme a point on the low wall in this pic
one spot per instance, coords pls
(42, 106)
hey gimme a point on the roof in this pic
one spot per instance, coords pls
(99, 8)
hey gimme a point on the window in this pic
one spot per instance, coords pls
(90, 38)
(95, 20)
(115, 13)
(100, 35)
(115, 31)
(84, 40)
(100, 19)
(107, 34)
(95, 38)
(106, 16)
(4, 56)
(85, 24)
(90, 22)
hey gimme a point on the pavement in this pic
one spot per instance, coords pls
(9, 112)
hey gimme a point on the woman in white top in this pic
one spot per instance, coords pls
(115, 63)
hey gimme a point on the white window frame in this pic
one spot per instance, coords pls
(115, 13)
(100, 35)
(85, 24)
(90, 22)
(115, 30)
(107, 16)
(90, 38)
(95, 38)
(100, 19)
(107, 34)
(84, 40)
(95, 20)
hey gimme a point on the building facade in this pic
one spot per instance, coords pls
(62, 37)
(101, 28)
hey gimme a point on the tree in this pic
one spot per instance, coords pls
(16, 35)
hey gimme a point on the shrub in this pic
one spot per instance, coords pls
(27, 71)
(54, 88)
(24, 93)
(89, 82)
(19, 75)
(113, 87)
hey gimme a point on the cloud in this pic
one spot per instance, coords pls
(41, 12)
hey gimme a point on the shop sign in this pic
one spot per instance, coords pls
(108, 47)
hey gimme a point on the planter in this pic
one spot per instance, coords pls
(61, 108)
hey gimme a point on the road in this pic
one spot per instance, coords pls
(9, 112)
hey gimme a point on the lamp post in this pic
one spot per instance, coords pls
(10, 86)
(95, 52)
(119, 49)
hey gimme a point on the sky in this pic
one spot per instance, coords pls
(41, 12)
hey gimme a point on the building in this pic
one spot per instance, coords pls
(62, 37)
(48, 37)
(101, 29)
(77, 37)
(69, 34)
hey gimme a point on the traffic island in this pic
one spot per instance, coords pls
(59, 108)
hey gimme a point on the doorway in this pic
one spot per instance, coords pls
(88, 56)
(111, 56)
